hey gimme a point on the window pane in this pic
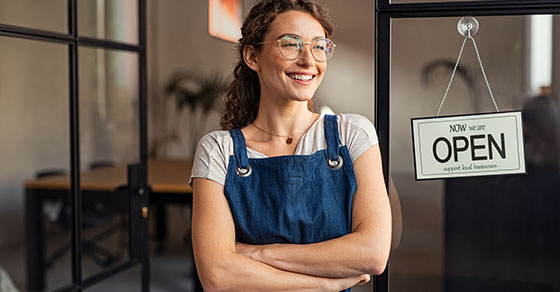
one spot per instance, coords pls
(110, 20)
(34, 127)
(497, 233)
(45, 15)
(109, 141)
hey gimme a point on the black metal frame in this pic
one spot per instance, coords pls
(384, 12)
(137, 187)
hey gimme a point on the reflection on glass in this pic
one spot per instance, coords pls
(494, 233)
(109, 140)
(541, 51)
(110, 20)
(45, 15)
(35, 146)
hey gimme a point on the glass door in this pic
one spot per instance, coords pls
(487, 233)
(73, 182)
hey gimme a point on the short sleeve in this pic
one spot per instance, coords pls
(210, 159)
(357, 133)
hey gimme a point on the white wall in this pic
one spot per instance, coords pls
(348, 85)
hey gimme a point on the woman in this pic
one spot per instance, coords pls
(287, 199)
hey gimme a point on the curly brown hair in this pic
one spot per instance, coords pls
(243, 96)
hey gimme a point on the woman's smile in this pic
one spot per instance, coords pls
(301, 77)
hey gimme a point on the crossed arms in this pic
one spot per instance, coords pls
(332, 265)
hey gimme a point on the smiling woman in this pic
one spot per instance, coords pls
(286, 199)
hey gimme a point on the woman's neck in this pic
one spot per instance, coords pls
(294, 117)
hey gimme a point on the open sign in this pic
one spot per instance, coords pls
(468, 145)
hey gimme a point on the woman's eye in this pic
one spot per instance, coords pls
(320, 48)
(290, 45)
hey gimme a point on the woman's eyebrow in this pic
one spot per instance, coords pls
(288, 34)
(297, 35)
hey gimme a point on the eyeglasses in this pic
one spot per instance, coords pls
(291, 47)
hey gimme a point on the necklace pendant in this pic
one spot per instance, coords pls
(289, 140)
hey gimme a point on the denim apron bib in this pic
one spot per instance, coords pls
(291, 199)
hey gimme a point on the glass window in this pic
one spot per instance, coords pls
(109, 20)
(35, 133)
(495, 233)
(109, 141)
(46, 15)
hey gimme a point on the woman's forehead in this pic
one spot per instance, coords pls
(297, 23)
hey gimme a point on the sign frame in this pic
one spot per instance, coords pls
(418, 165)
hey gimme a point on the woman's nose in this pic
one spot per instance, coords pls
(306, 56)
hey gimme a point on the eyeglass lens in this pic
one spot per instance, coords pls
(292, 46)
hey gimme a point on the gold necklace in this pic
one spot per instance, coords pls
(289, 138)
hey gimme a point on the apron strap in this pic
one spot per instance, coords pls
(240, 148)
(331, 135)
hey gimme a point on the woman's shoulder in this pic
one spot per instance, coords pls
(355, 124)
(357, 132)
(219, 137)
(353, 120)
(350, 123)
(211, 156)
(215, 143)
(216, 135)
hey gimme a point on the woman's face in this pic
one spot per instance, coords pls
(290, 79)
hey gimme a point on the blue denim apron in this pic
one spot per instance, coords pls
(291, 199)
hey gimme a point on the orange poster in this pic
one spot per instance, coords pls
(224, 19)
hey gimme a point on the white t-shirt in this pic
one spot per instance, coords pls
(214, 149)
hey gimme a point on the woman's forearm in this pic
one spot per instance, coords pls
(346, 256)
(236, 272)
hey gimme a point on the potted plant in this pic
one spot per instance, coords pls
(198, 94)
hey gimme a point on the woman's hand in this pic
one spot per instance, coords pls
(339, 284)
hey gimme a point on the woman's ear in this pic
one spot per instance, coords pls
(250, 57)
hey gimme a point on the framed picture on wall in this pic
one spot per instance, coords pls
(225, 18)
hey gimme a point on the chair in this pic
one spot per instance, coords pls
(98, 209)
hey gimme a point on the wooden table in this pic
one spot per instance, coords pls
(164, 176)
(168, 180)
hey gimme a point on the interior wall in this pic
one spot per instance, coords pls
(178, 39)
(348, 84)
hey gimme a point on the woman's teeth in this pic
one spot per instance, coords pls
(300, 77)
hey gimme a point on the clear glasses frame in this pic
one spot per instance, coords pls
(291, 47)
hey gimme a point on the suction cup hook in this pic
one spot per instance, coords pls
(467, 24)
